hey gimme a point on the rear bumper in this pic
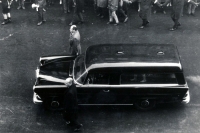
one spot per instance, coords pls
(36, 99)
(186, 99)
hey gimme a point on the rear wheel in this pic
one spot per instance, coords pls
(145, 104)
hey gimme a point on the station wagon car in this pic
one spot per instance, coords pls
(115, 74)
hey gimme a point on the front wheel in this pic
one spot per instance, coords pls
(145, 104)
(53, 103)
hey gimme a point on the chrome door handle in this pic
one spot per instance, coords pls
(106, 90)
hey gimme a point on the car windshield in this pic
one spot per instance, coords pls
(79, 69)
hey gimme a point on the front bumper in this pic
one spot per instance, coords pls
(36, 99)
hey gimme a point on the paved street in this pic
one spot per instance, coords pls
(22, 43)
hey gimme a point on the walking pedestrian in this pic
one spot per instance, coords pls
(70, 113)
(113, 7)
(74, 41)
(102, 8)
(41, 4)
(66, 5)
(145, 11)
(123, 3)
(21, 4)
(191, 8)
(50, 2)
(177, 9)
(78, 8)
(6, 7)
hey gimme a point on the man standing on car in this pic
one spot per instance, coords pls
(71, 105)
(74, 41)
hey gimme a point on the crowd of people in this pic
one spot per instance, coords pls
(111, 7)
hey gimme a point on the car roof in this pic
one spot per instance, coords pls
(126, 54)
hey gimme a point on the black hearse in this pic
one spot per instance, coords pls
(114, 74)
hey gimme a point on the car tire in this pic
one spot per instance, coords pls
(52, 103)
(145, 104)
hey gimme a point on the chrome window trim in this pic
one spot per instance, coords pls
(134, 64)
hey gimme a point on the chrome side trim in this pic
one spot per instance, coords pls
(114, 86)
(53, 57)
(134, 64)
(105, 104)
(50, 86)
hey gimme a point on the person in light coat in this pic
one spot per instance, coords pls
(177, 9)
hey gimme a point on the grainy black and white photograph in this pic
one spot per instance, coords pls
(100, 66)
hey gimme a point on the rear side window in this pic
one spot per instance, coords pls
(148, 78)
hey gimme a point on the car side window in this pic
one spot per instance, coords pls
(97, 78)
(148, 78)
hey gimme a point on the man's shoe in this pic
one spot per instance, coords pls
(109, 22)
(146, 23)
(18, 7)
(9, 20)
(141, 27)
(173, 28)
(44, 20)
(193, 14)
(126, 19)
(70, 24)
(4, 22)
(116, 24)
(80, 22)
(39, 23)
(78, 128)
(102, 16)
(68, 122)
(23, 8)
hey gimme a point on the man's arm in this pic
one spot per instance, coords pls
(127, 1)
(166, 2)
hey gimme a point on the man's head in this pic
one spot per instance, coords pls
(68, 82)
(73, 29)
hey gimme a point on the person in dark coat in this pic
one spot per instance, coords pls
(123, 9)
(21, 4)
(102, 7)
(42, 4)
(78, 8)
(6, 5)
(66, 5)
(70, 113)
(177, 9)
(145, 11)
